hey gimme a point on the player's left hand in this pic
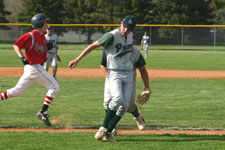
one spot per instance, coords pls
(144, 96)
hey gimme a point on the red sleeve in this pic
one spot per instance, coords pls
(24, 42)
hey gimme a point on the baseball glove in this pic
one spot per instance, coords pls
(143, 97)
(49, 45)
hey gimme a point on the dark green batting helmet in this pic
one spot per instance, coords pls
(38, 20)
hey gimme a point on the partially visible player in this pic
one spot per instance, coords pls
(52, 57)
(36, 47)
(139, 63)
(144, 42)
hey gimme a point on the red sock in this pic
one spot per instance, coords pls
(3, 95)
(48, 100)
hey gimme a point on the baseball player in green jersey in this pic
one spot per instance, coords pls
(118, 47)
(139, 63)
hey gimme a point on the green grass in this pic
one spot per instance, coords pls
(175, 103)
(187, 47)
(152, 47)
(186, 60)
(86, 141)
(182, 103)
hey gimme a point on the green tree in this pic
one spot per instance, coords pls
(53, 9)
(220, 20)
(82, 12)
(220, 17)
(14, 8)
(3, 14)
(192, 12)
(109, 11)
(104, 12)
(143, 10)
(183, 12)
(216, 5)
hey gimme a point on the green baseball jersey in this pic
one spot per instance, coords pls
(136, 57)
(118, 50)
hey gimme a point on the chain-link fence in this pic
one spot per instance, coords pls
(178, 37)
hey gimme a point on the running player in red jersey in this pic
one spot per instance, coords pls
(36, 48)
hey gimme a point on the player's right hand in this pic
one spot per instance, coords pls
(24, 60)
(73, 63)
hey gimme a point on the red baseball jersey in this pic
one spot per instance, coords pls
(37, 54)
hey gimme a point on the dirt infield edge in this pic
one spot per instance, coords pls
(98, 73)
(120, 131)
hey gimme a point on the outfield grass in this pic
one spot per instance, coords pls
(151, 47)
(86, 141)
(157, 59)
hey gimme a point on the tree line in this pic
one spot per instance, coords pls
(190, 12)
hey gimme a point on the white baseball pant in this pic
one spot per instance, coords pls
(145, 47)
(108, 97)
(120, 83)
(51, 59)
(35, 73)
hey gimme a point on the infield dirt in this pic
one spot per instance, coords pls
(98, 73)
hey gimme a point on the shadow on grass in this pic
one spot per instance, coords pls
(163, 127)
(169, 138)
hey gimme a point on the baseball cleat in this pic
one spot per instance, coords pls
(108, 137)
(140, 122)
(44, 117)
(114, 132)
(101, 133)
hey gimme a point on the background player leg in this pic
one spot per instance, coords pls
(55, 66)
(48, 62)
(146, 50)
